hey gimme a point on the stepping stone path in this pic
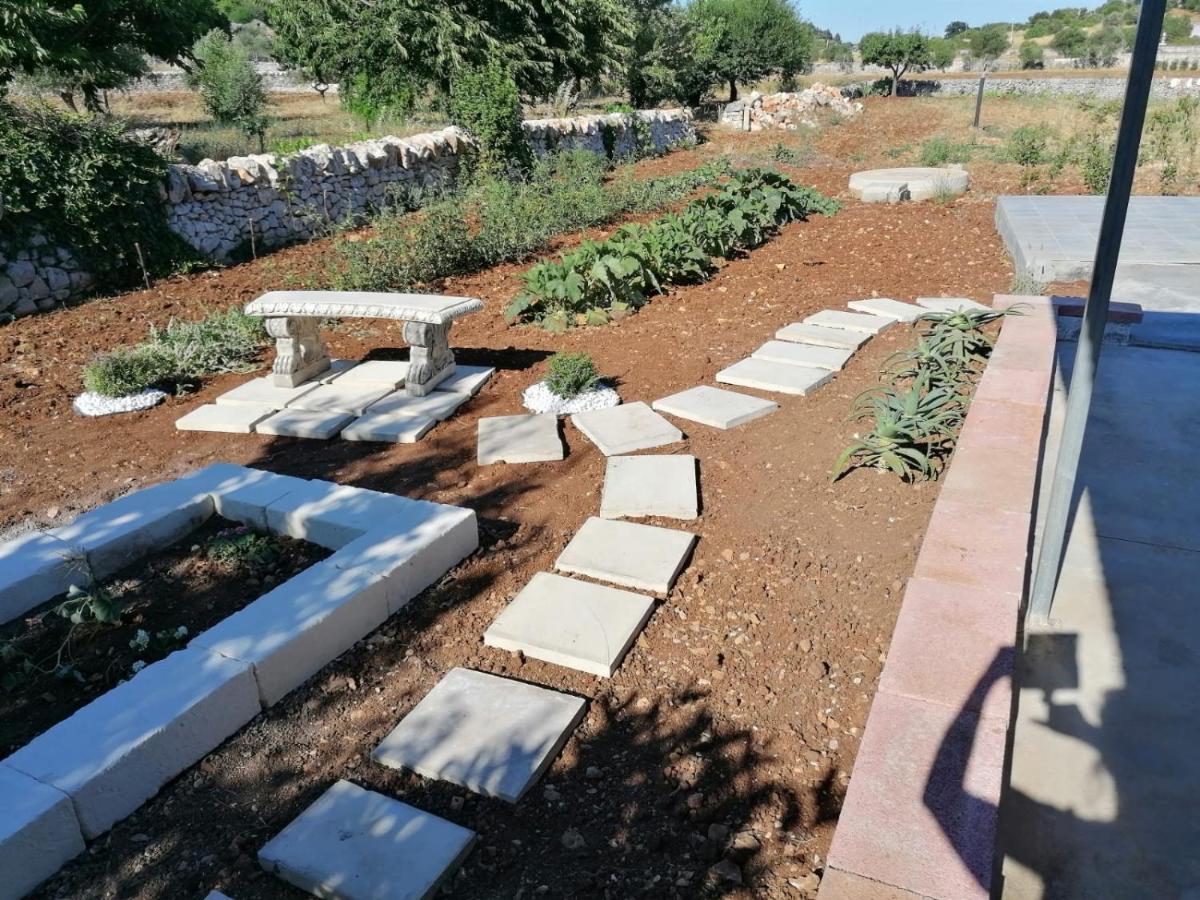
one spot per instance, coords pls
(626, 428)
(803, 355)
(571, 623)
(360, 401)
(780, 378)
(820, 336)
(650, 486)
(359, 845)
(643, 557)
(490, 734)
(848, 321)
(519, 439)
(892, 309)
(714, 407)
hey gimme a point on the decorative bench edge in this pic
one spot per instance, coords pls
(363, 305)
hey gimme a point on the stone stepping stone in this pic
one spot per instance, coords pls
(950, 304)
(355, 844)
(519, 439)
(571, 623)
(230, 418)
(714, 407)
(643, 557)
(467, 380)
(803, 355)
(389, 427)
(388, 373)
(650, 486)
(303, 423)
(340, 398)
(493, 735)
(891, 309)
(781, 378)
(336, 368)
(820, 336)
(261, 392)
(848, 321)
(438, 406)
(626, 428)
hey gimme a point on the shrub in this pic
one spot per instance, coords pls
(1027, 145)
(939, 151)
(128, 370)
(571, 374)
(486, 103)
(230, 87)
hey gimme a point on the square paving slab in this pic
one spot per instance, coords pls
(355, 844)
(849, 321)
(644, 557)
(304, 423)
(891, 309)
(467, 380)
(389, 427)
(234, 419)
(714, 407)
(261, 392)
(336, 368)
(782, 378)
(650, 486)
(626, 428)
(493, 735)
(571, 623)
(803, 355)
(949, 304)
(389, 373)
(519, 439)
(819, 336)
(341, 398)
(440, 406)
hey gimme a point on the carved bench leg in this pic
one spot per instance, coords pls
(299, 352)
(430, 360)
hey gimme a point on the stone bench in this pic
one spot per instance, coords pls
(293, 318)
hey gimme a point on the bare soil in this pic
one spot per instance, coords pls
(728, 734)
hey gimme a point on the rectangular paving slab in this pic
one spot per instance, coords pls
(949, 304)
(891, 309)
(571, 623)
(467, 380)
(355, 844)
(626, 428)
(264, 392)
(519, 439)
(229, 418)
(493, 735)
(780, 378)
(389, 373)
(714, 407)
(819, 336)
(650, 486)
(303, 423)
(342, 398)
(849, 321)
(389, 427)
(803, 355)
(439, 405)
(643, 557)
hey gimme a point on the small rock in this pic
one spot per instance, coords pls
(728, 870)
(745, 841)
(140, 838)
(550, 794)
(809, 884)
(593, 773)
(456, 803)
(718, 833)
(695, 801)
(572, 839)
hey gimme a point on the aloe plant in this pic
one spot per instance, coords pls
(892, 446)
(929, 413)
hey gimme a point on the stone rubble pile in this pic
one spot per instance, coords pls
(788, 111)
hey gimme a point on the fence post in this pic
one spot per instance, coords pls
(979, 99)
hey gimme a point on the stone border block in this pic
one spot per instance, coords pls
(33, 568)
(39, 833)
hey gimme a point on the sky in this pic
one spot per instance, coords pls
(853, 18)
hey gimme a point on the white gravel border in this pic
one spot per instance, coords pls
(540, 399)
(92, 404)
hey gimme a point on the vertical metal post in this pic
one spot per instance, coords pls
(979, 98)
(1095, 313)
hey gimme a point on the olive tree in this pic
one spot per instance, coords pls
(753, 38)
(900, 51)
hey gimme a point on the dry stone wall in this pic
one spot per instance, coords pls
(1161, 88)
(223, 208)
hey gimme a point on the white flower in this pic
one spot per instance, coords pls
(140, 641)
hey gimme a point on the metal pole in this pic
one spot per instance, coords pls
(1095, 313)
(979, 98)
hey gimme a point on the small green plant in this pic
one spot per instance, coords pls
(243, 548)
(939, 151)
(782, 153)
(889, 446)
(16, 668)
(571, 374)
(91, 604)
(230, 87)
(958, 337)
(128, 370)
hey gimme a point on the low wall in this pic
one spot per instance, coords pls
(225, 208)
(1162, 88)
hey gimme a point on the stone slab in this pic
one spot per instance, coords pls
(864, 323)
(921, 182)
(303, 423)
(264, 392)
(891, 309)
(389, 373)
(339, 398)
(224, 417)
(114, 754)
(714, 407)
(571, 623)
(437, 405)
(818, 336)
(291, 632)
(337, 368)
(780, 378)
(433, 309)
(35, 567)
(626, 428)
(493, 735)
(650, 486)
(803, 355)
(467, 379)
(643, 557)
(519, 439)
(39, 833)
(390, 428)
(355, 844)
(245, 496)
(949, 304)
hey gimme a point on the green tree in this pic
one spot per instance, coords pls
(900, 51)
(988, 44)
(1032, 56)
(672, 56)
(229, 86)
(942, 52)
(955, 28)
(754, 38)
(1104, 45)
(485, 102)
(1177, 29)
(1070, 41)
